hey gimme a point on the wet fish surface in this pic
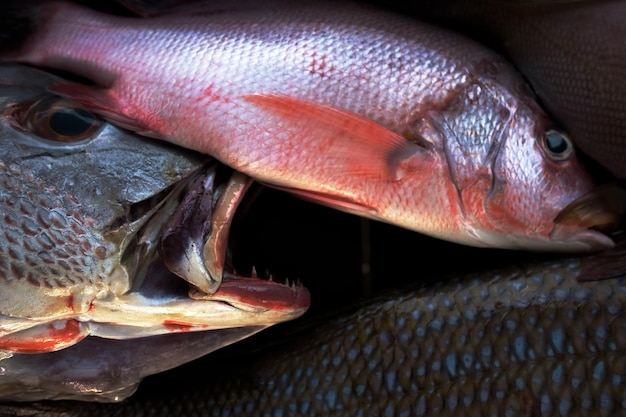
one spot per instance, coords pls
(572, 53)
(524, 340)
(176, 403)
(84, 206)
(348, 106)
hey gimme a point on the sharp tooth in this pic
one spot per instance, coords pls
(253, 273)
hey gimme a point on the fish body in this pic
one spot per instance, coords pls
(524, 340)
(348, 106)
(83, 207)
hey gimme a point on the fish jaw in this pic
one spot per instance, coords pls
(239, 302)
(109, 370)
(158, 308)
(562, 239)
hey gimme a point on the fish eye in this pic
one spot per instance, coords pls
(60, 120)
(557, 145)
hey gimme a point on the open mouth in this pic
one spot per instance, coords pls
(191, 283)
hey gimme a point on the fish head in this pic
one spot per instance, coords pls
(74, 193)
(84, 205)
(75, 190)
(515, 171)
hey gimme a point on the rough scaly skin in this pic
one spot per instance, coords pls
(80, 222)
(527, 340)
(290, 96)
(571, 52)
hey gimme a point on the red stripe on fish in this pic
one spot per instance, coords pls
(348, 143)
(180, 327)
(45, 338)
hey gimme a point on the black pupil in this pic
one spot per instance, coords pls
(70, 122)
(556, 143)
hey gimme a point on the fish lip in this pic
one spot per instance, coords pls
(580, 240)
(604, 208)
(165, 303)
(256, 295)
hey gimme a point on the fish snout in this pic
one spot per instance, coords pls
(575, 239)
(589, 218)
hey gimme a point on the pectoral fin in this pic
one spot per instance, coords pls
(351, 148)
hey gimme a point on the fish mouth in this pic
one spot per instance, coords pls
(182, 278)
(586, 222)
(164, 246)
(584, 225)
(573, 239)
(163, 320)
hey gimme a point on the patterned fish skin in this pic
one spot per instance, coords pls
(67, 209)
(373, 114)
(83, 205)
(571, 52)
(527, 340)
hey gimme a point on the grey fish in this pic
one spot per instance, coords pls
(84, 207)
(527, 340)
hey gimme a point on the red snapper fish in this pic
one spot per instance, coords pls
(342, 104)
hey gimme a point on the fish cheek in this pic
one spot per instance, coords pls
(474, 123)
(509, 204)
(526, 193)
(500, 207)
(52, 264)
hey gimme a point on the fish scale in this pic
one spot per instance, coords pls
(89, 216)
(46, 244)
(526, 340)
(571, 52)
(339, 103)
